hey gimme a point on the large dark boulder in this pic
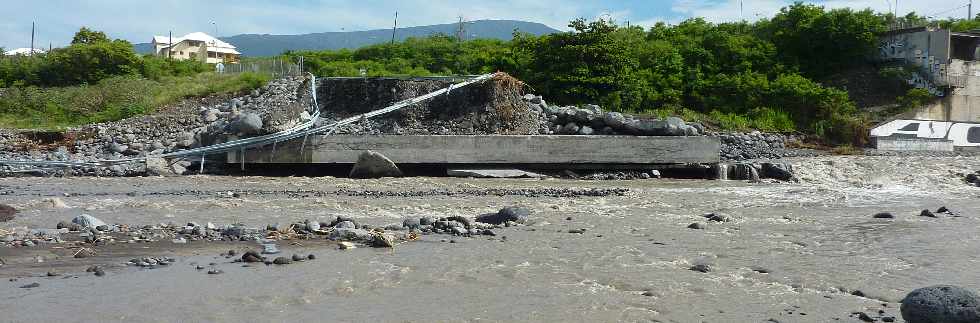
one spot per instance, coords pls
(245, 124)
(780, 171)
(515, 214)
(675, 126)
(941, 303)
(614, 120)
(374, 165)
(651, 127)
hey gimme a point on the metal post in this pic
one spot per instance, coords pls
(32, 39)
(201, 170)
(393, 29)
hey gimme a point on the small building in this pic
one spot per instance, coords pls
(196, 46)
(947, 64)
(26, 51)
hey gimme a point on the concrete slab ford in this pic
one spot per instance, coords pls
(491, 149)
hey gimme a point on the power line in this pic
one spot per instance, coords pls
(950, 10)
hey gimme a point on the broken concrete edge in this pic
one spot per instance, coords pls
(493, 173)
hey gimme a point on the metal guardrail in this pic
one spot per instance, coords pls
(279, 66)
(304, 129)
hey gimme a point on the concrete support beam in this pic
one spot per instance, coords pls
(475, 150)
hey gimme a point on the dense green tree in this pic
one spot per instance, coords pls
(88, 36)
(588, 64)
(825, 42)
(89, 62)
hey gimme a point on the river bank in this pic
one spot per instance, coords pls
(791, 252)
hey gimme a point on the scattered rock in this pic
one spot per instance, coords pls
(54, 202)
(702, 268)
(345, 245)
(507, 214)
(251, 256)
(864, 317)
(7, 212)
(718, 217)
(941, 303)
(88, 221)
(412, 223)
(215, 272)
(374, 165)
(697, 226)
(884, 215)
(927, 213)
(282, 261)
(346, 234)
(31, 285)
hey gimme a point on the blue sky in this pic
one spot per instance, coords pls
(139, 20)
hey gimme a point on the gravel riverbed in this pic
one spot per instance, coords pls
(784, 252)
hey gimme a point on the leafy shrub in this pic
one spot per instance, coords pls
(913, 99)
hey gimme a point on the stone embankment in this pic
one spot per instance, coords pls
(192, 123)
(592, 120)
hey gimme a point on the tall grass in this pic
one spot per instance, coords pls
(112, 98)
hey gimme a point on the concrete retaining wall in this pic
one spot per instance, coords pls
(911, 144)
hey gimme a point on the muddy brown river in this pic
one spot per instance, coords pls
(794, 252)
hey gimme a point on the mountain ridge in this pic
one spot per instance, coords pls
(252, 45)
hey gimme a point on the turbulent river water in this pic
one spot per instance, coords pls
(795, 252)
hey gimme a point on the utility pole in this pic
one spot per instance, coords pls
(32, 39)
(393, 29)
(969, 11)
(170, 46)
(460, 30)
(741, 10)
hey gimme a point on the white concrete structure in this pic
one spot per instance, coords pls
(926, 135)
(24, 51)
(196, 46)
